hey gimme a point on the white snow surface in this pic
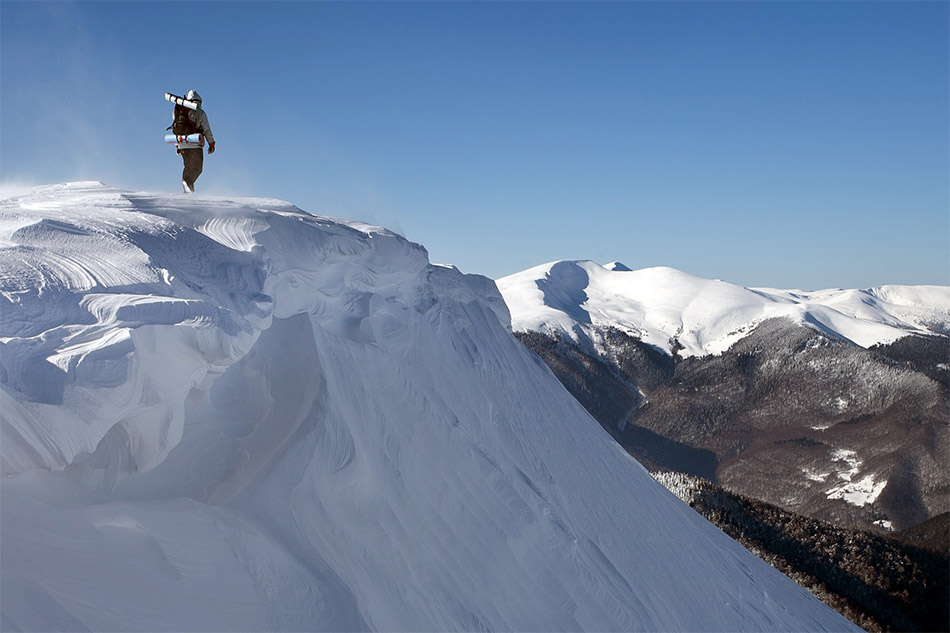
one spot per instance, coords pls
(707, 316)
(857, 492)
(228, 414)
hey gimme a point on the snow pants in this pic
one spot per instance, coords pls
(194, 161)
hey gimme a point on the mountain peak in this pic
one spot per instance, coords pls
(661, 305)
(197, 389)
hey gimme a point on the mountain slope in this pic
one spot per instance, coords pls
(792, 412)
(879, 582)
(675, 311)
(232, 415)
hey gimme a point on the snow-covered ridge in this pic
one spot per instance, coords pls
(226, 414)
(91, 274)
(706, 316)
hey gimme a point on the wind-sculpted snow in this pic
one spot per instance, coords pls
(670, 309)
(233, 415)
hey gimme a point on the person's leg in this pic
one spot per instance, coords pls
(194, 161)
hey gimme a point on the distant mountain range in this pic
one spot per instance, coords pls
(678, 312)
(832, 404)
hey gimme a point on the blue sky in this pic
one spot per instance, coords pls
(785, 144)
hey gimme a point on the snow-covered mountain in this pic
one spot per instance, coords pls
(224, 414)
(832, 404)
(668, 308)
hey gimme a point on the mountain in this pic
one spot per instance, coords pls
(830, 404)
(229, 414)
(677, 312)
(931, 534)
(882, 583)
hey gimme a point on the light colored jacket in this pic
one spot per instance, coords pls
(200, 119)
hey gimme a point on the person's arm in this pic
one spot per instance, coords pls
(204, 126)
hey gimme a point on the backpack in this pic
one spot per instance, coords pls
(182, 125)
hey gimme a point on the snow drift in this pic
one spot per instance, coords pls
(233, 415)
(703, 316)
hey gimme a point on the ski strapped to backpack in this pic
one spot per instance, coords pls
(191, 105)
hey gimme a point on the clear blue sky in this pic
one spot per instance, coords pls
(788, 144)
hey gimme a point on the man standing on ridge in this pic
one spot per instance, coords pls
(187, 121)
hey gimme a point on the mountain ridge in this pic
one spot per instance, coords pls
(882, 583)
(229, 414)
(846, 388)
(682, 313)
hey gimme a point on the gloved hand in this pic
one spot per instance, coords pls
(211, 148)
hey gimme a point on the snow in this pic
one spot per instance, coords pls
(228, 414)
(859, 493)
(813, 475)
(706, 316)
(856, 492)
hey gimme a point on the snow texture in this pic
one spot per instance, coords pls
(224, 415)
(857, 492)
(706, 316)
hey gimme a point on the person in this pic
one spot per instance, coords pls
(192, 157)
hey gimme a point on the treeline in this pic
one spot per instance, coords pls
(878, 582)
